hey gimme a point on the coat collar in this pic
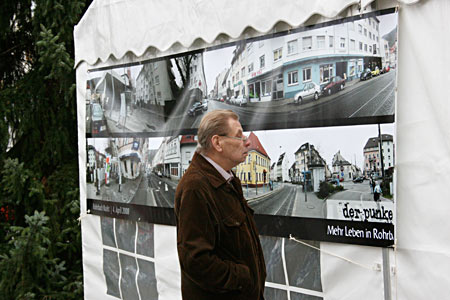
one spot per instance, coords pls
(209, 171)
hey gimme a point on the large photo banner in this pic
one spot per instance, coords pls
(317, 104)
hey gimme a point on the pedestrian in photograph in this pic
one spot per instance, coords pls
(376, 192)
(218, 244)
(371, 184)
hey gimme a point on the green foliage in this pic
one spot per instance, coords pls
(326, 189)
(40, 243)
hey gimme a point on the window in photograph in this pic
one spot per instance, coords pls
(293, 78)
(360, 28)
(157, 79)
(370, 49)
(307, 43)
(352, 69)
(158, 95)
(293, 47)
(326, 71)
(342, 43)
(243, 72)
(250, 68)
(266, 87)
(370, 35)
(320, 42)
(262, 62)
(331, 41)
(250, 47)
(277, 54)
(365, 47)
(306, 74)
(360, 46)
(352, 44)
(365, 32)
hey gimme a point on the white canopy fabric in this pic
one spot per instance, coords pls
(118, 31)
(119, 27)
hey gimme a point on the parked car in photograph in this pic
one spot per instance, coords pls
(196, 108)
(385, 69)
(335, 84)
(366, 74)
(358, 179)
(205, 104)
(311, 90)
(376, 72)
(97, 119)
(239, 100)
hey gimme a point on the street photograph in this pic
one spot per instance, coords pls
(342, 74)
(339, 172)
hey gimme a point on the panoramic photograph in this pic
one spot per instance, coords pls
(342, 74)
(329, 172)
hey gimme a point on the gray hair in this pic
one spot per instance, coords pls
(213, 123)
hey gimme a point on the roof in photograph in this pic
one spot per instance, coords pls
(373, 141)
(339, 160)
(280, 159)
(188, 139)
(256, 145)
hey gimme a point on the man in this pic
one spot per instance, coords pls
(218, 244)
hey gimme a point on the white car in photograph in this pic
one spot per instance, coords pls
(240, 100)
(311, 90)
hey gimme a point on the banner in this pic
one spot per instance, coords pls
(317, 104)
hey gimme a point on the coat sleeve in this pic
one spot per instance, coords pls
(196, 237)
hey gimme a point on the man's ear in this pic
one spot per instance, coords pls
(216, 143)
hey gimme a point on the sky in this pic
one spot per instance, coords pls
(216, 61)
(349, 140)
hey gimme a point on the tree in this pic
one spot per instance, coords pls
(40, 246)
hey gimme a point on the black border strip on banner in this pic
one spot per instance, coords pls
(324, 230)
(387, 119)
(255, 39)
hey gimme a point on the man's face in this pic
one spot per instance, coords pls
(235, 149)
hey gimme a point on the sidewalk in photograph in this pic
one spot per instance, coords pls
(111, 192)
(138, 120)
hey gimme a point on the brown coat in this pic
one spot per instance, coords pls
(218, 244)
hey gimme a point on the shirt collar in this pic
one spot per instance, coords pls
(227, 175)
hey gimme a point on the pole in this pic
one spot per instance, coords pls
(386, 274)
(380, 147)
(304, 175)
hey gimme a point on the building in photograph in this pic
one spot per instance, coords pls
(132, 154)
(342, 169)
(197, 83)
(280, 67)
(282, 169)
(188, 144)
(220, 86)
(255, 170)
(109, 88)
(372, 158)
(264, 73)
(272, 171)
(238, 70)
(310, 167)
(153, 85)
(172, 158)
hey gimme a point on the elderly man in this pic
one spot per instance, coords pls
(218, 244)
